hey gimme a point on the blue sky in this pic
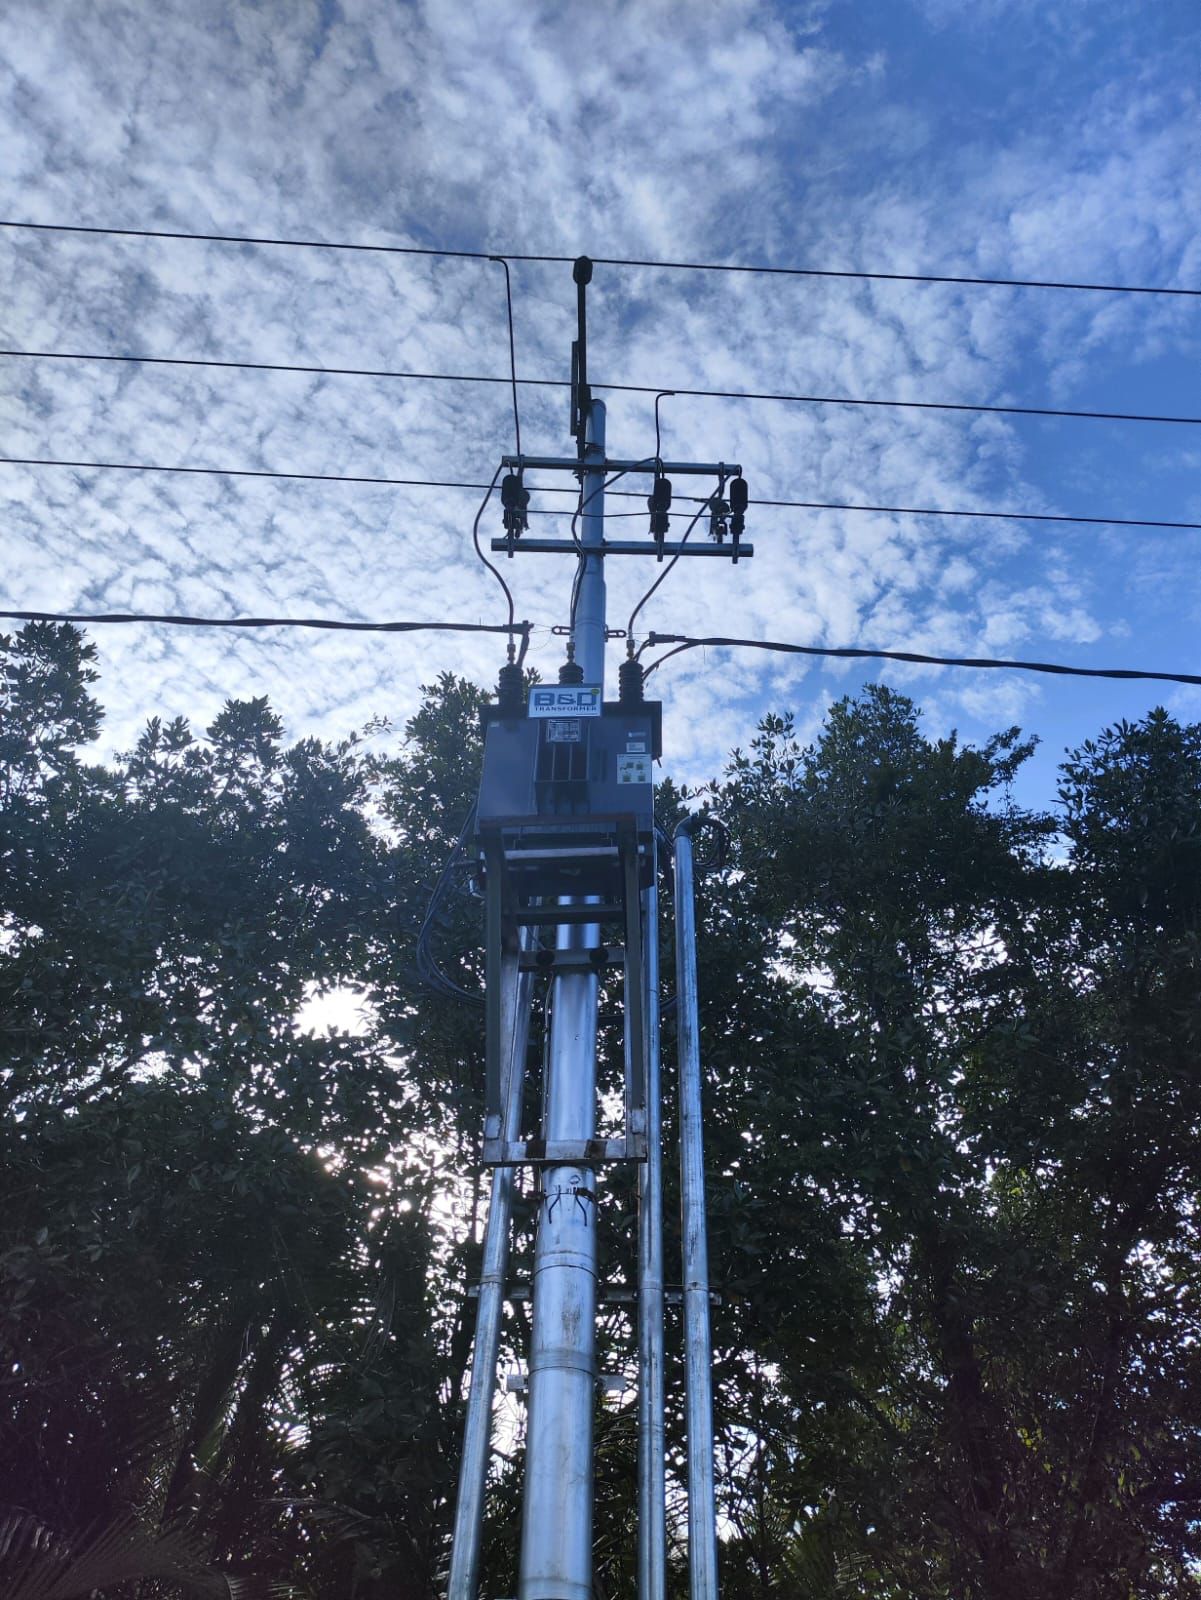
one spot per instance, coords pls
(1000, 137)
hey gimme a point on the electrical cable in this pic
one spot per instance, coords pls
(495, 571)
(610, 261)
(983, 515)
(682, 642)
(903, 405)
(338, 624)
(664, 394)
(578, 542)
(631, 494)
(284, 366)
(428, 969)
(700, 510)
(500, 261)
(631, 388)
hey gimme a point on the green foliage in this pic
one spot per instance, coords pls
(953, 1120)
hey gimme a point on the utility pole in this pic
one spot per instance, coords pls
(567, 838)
(556, 1542)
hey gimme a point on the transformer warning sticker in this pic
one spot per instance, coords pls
(633, 769)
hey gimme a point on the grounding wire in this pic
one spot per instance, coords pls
(455, 483)
(682, 642)
(770, 395)
(608, 261)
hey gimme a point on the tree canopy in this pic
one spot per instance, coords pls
(953, 1143)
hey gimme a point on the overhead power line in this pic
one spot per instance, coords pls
(682, 642)
(336, 624)
(630, 494)
(613, 261)
(287, 366)
(615, 388)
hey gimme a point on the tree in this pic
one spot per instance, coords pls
(952, 1116)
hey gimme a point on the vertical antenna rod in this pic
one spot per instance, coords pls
(556, 1543)
(698, 1346)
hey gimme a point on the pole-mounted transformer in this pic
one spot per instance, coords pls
(566, 809)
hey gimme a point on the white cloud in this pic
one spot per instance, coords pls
(736, 129)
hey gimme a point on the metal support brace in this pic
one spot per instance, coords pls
(514, 991)
(502, 942)
(635, 1009)
(651, 1295)
(698, 1344)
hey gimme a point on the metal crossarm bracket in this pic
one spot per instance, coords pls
(562, 1152)
(647, 467)
(506, 916)
(624, 547)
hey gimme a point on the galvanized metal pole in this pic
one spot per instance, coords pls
(556, 1542)
(477, 1428)
(652, 1489)
(698, 1347)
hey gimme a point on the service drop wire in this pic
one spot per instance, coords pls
(581, 553)
(855, 653)
(176, 619)
(496, 573)
(700, 510)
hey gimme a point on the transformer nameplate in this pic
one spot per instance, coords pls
(565, 700)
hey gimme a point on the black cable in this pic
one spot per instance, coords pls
(622, 388)
(664, 394)
(994, 516)
(625, 494)
(892, 277)
(500, 261)
(576, 540)
(340, 624)
(700, 510)
(428, 969)
(900, 405)
(610, 261)
(285, 366)
(235, 472)
(682, 642)
(495, 571)
(666, 656)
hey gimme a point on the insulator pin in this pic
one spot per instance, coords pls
(658, 504)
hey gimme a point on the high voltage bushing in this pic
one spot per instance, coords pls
(629, 683)
(510, 690)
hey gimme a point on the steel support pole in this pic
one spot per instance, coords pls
(556, 1541)
(477, 1428)
(698, 1347)
(652, 1509)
